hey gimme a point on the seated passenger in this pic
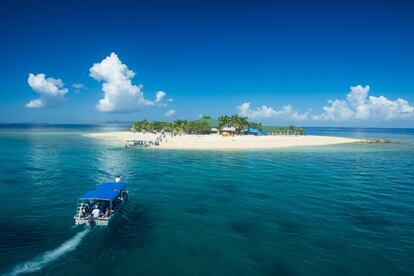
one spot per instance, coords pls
(107, 212)
(117, 178)
(95, 213)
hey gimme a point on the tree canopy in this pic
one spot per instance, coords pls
(205, 123)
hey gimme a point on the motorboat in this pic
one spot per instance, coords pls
(101, 205)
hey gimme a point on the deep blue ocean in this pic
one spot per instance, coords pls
(332, 210)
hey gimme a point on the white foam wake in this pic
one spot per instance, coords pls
(50, 256)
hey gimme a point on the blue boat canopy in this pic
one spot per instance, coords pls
(105, 191)
(116, 186)
(102, 194)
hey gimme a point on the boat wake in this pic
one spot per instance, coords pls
(50, 256)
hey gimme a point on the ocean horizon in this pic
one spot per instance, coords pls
(342, 209)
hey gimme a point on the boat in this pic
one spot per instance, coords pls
(101, 205)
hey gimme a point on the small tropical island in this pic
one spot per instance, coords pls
(224, 133)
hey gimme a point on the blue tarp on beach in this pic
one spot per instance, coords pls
(253, 131)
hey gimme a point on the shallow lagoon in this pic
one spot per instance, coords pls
(344, 209)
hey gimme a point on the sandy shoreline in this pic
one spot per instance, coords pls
(218, 142)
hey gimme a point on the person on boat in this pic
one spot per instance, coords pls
(83, 212)
(96, 212)
(107, 212)
(118, 178)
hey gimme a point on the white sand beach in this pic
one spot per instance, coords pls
(218, 142)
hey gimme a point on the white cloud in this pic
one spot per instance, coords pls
(51, 91)
(357, 106)
(361, 107)
(120, 95)
(159, 96)
(265, 112)
(337, 111)
(170, 113)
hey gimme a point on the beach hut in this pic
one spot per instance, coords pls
(214, 130)
(228, 130)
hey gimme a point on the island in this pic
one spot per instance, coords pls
(225, 133)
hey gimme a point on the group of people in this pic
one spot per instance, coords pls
(97, 211)
(142, 143)
(100, 206)
(162, 137)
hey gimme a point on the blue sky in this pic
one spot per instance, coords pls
(209, 57)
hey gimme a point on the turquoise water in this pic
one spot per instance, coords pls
(344, 209)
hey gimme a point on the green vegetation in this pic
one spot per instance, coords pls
(206, 123)
(284, 130)
(200, 126)
(238, 122)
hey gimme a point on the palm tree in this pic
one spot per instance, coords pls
(239, 123)
(141, 125)
(180, 125)
(223, 121)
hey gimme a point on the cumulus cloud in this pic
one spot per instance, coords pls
(120, 95)
(51, 91)
(264, 112)
(357, 106)
(170, 113)
(361, 107)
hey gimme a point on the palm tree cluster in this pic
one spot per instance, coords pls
(205, 124)
(200, 126)
(238, 122)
